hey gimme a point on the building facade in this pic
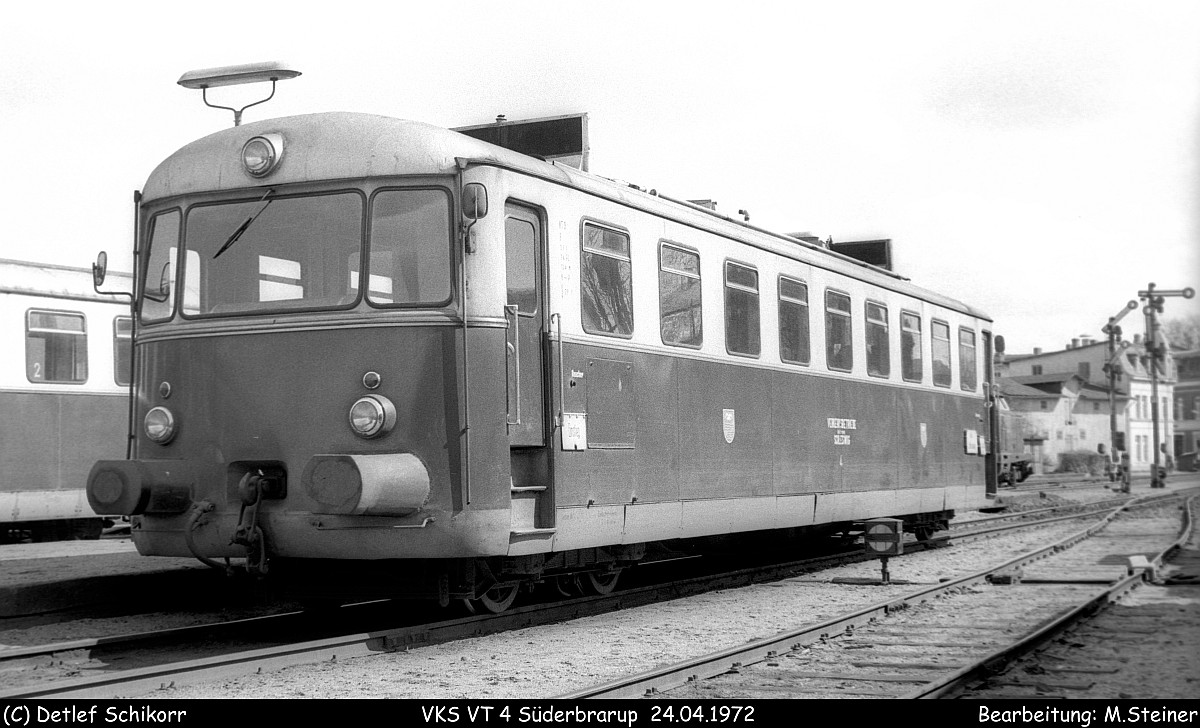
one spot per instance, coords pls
(1135, 390)
(1186, 441)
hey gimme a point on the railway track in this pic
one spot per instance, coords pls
(152, 660)
(937, 640)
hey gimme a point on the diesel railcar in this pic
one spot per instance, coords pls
(64, 385)
(370, 343)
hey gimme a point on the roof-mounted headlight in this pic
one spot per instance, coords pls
(261, 155)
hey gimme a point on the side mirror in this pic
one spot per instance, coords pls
(100, 269)
(474, 201)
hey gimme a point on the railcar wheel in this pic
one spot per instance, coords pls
(568, 586)
(924, 533)
(494, 600)
(601, 582)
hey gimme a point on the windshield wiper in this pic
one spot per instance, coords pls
(233, 238)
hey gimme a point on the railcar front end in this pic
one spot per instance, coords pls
(301, 358)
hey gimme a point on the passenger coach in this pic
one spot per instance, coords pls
(368, 339)
(64, 386)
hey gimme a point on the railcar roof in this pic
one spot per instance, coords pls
(343, 145)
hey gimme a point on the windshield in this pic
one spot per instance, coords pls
(280, 253)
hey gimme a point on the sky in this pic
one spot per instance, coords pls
(1037, 160)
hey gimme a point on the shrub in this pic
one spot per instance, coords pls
(1080, 461)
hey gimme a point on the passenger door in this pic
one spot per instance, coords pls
(524, 314)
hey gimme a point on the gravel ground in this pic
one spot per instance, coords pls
(544, 662)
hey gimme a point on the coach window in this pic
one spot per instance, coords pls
(966, 359)
(839, 353)
(879, 355)
(606, 284)
(941, 354)
(679, 296)
(55, 347)
(122, 349)
(794, 347)
(741, 310)
(911, 364)
(158, 293)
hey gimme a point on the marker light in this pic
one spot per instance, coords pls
(160, 425)
(372, 416)
(261, 154)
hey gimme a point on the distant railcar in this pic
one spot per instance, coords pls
(64, 385)
(1013, 463)
(369, 343)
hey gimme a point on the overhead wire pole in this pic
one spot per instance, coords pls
(1113, 371)
(1156, 352)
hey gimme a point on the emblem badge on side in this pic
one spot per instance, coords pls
(728, 425)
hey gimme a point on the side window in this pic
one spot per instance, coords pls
(679, 296)
(606, 285)
(879, 355)
(55, 347)
(410, 258)
(158, 290)
(741, 310)
(966, 359)
(794, 345)
(941, 354)
(838, 329)
(911, 364)
(122, 349)
(522, 269)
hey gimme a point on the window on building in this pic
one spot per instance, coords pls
(966, 360)
(741, 310)
(839, 353)
(606, 284)
(1193, 409)
(1045, 405)
(1085, 370)
(55, 347)
(122, 349)
(794, 344)
(679, 296)
(1095, 406)
(941, 353)
(1037, 370)
(910, 347)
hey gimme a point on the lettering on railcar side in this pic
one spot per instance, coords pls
(841, 425)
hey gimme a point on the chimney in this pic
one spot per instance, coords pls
(1037, 350)
(1074, 344)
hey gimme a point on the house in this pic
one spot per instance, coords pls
(1059, 413)
(1133, 393)
(1187, 409)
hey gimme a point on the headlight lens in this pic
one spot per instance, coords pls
(261, 154)
(372, 416)
(160, 425)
